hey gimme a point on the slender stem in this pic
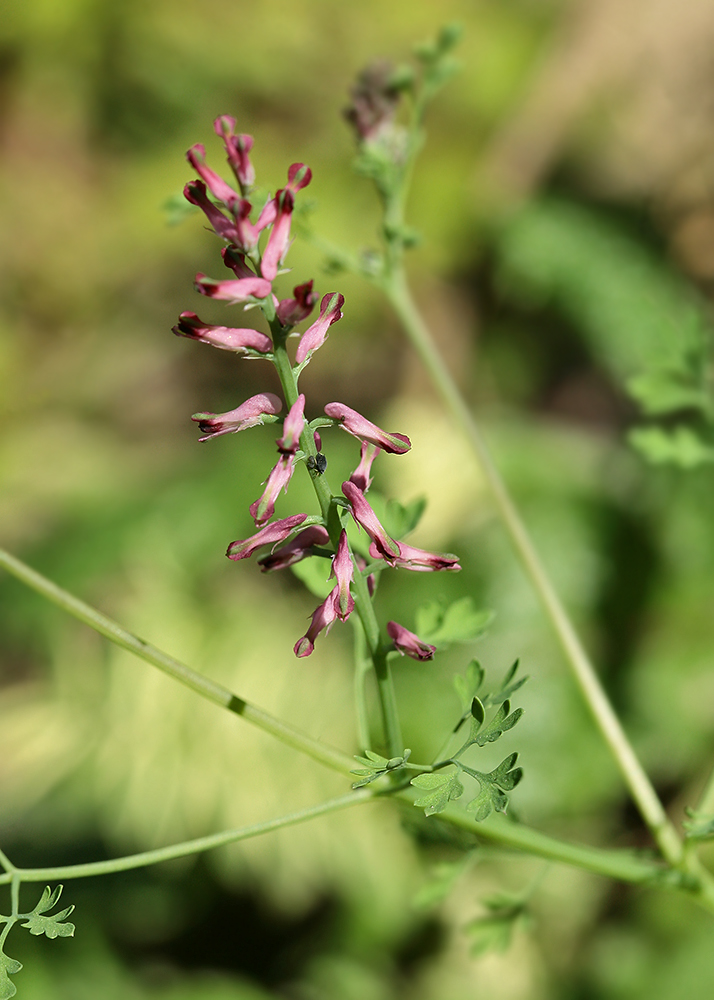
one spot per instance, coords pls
(6, 862)
(362, 666)
(397, 291)
(211, 690)
(705, 806)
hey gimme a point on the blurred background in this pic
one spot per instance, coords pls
(566, 202)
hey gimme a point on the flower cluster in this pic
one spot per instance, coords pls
(291, 539)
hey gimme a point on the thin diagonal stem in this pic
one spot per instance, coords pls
(211, 690)
(397, 291)
(186, 848)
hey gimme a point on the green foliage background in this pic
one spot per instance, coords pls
(546, 300)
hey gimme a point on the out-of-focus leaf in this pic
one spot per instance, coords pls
(459, 622)
(666, 391)
(681, 446)
(314, 572)
(699, 826)
(400, 519)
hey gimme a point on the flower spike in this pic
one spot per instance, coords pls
(409, 643)
(227, 338)
(271, 534)
(248, 414)
(316, 335)
(357, 425)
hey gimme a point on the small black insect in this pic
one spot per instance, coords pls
(318, 463)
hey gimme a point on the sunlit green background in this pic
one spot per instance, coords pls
(565, 201)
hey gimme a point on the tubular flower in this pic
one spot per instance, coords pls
(237, 149)
(248, 414)
(299, 176)
(342, 569)
(233, 290)
(409, 643)
(227, 338)
(357, 425)
(195, 192)
(294, 551)
(385, 547)
(196, 156)
(293, 426)
(419, 560)
(361, 476)
(322, 618)
(316, 335)
(280, 475)
(271, 534)
(292, 311)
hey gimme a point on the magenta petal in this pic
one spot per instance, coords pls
(316, 335)
(361, 476)
(238, 290)
(237, 149)
(278, 531)
(357, 425)
(363, 514)
(248, 414)
(196, 156)
(225, 337)
(299, 176)
(294, 551)
(195, 192)
(409, 643)
(280, 475)
(419, 560)
(293, 427)
(279, 238)
(342, 570)
(292, 311)
(322, 618)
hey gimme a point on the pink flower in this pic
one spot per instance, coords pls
(316, 335)
(293, 426)
(280, 475)
(237, 149)
(409, 643)
(322, 618)
(196, 156)
(241, 341)
(271, 534)
(342, 569)
(357, 425)
(292, 311)
(299, 176)
(294, 551)
(234, 290)
(363, 514)
(195, 192)
(419, 560)
(361, 476)
(248, 414)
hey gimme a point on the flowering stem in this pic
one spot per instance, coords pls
(211, 690)
(362, 665)
(363, 601)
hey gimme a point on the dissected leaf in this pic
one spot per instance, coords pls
(699, 826)
(8, 967)
(499, 724)
(494, 785)
(459, 622)
(666, 391)
(440, 788)
(38, 922)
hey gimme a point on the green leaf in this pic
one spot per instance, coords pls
(443, 878)
(494, 931)
(478, 712)
(440, 788)
(467, 686)
(8, 967)
(52, 926)
(666, 391)
(499, 724)
(681, 446)
(460, 622)
(313, 572)
(491, 796)
(376, 766)
(508, 687)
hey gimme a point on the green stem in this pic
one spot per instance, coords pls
(186, 848)
(212, 691)
(705, 806)
(362, 666)
(665, 835)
